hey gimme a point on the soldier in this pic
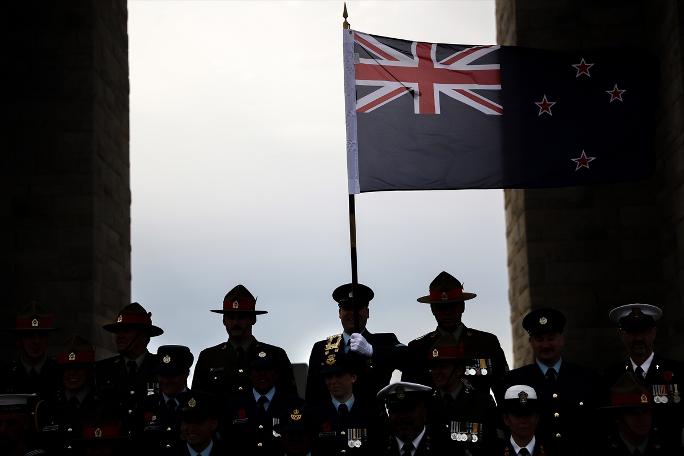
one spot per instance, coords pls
(462, 418)
(199, 423)
(631, 411)
(16, 429)
(33, 371)
(407, 411)
(295, 439)
(378, 353)
(131, 375)
(447, 302)
(161, 412)
(663, 377)
(520, 409)
(254, 415)
(344, 423)
(567, 393)
(224, 369)
(60, 418)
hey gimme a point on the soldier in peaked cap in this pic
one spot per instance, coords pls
(199, 423)
(630, 420)
(487, 364)
(161, 412)
(378, 353)
(520, 408)
(32, 371)
(567, 393)
(407, 410)
(463, 419)
(662, 376)
(131, 375)
(224, 369)
(294, 430)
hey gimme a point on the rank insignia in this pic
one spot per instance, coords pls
(34, 323)
(644, 399)
(444, 296)
(119, 319)
(192, 402)
(98, 433)
(262, 354)
(72, 356)
(236, 304)
(435, 353)
(296, 415)
(166, 359)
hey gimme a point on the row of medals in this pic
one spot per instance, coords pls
(465, 431)
(662, 394)
(479, 367)
(355, 436)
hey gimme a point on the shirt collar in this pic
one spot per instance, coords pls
(37, 367)
(456, 333)
(245, 346)
(529, 446)
(205, 452)
(646, 364)
(349, 403)
(641, 447)
(81, 395)
(175, 398)
(269, 395)
(138, 361)
(416, 441)
(545, 368)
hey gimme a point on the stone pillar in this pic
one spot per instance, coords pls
(586, 250)
(66, 211)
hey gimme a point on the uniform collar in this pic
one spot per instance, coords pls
(205, 452)
(416, 441)
(245, 346)
(81, 395)
(456, 333)
(349, 403)
(646, 364)
(544, 368)
(175, 398)
(529, 446)
(138, 361)
(269, 395)
(36, 367)
(631, 448)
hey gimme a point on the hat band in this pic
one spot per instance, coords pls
(36, 322)
(133, 319)
(239, 304)
(76, 357)
(109, 431)
(453, 294)
(630, 399)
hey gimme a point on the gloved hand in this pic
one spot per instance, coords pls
(359, 344)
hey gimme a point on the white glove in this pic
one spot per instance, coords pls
(359, 344)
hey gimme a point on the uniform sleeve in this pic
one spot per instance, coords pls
(313, 376)
(199, 378)
(501, 364)
(390, 354)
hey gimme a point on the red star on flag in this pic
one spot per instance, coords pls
(615, 94)
(544, 106)
(583, 161)
(583, 68)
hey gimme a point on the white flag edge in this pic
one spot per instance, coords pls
(350, 111)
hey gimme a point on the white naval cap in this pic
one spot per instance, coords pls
(401, 388)
(635, 310)
(520, 393)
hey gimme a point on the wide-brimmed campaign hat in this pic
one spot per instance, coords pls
(134, 316)
(33, 319)
(353, 295)
(543, 321)
(445, 289)
(628, 393)
(239, 299)
(77, 352)
(635, 317)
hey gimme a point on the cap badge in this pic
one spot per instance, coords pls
(72, 356)
(192, 402)
(98, 433)
(543, 320)
(435, 353)
(330, 360)
(445, 296)
(166, 359)
(644, 399)
(296, 415)
(262, 354)
(34, 323)
(401, 394)
(119, 319)
(351, 294)
(236, 304)
(522, 395)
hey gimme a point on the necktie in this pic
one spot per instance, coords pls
(551, 375)
(74, 402)
(132, 368)
(171, 405)
(261, 405)
(347, 346)
(343, 412)
(407, 449)
(523, 452)
(639, 372)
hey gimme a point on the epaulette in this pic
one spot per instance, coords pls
(431, 335)
(332, 344)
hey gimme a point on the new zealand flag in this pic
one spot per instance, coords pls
(423, 116)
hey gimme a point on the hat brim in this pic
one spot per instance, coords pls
(648, 310)
(151, 330)
(30, 330)
(248, 312)
(428, 300)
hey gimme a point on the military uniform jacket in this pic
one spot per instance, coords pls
(15, 379)
(425, 448)
(161, 423)
(222, 371)
(388, 354)
(251, 432)
(567, 405)
(614, 446)
(468, 422)
(485, 371)
(330, 435)
(506, 449)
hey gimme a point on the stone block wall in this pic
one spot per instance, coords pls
(66, 199)
(586, 250)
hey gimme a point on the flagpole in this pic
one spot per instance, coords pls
(352, 219)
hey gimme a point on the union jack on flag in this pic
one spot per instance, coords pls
(426, 116)
(425, 76)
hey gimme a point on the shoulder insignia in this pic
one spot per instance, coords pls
(333, 343)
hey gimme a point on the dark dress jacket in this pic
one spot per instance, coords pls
(425, 447)
(14, 378)
(375, 374)
(219, 449)
(665, 381)
(482, 347)
(615, 446)
(253, 432)
(160, 433)
(567, 405)
(506, 449)
(354, 434)
(223, 371)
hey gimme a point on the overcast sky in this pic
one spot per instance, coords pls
(238, 175)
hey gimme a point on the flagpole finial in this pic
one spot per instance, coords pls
(345, 24)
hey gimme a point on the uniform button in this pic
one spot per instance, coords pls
(240, 388)
(581, 403)
(259, 444)
(168, 429)
(261, 426)
(130, 412)
(556, 415)
(343, 451)
(132, 392)
(168, 445)
(343, 433)
(555, 395)
(215, 378)
(240, 371)
(69, 430)
(558, 436)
